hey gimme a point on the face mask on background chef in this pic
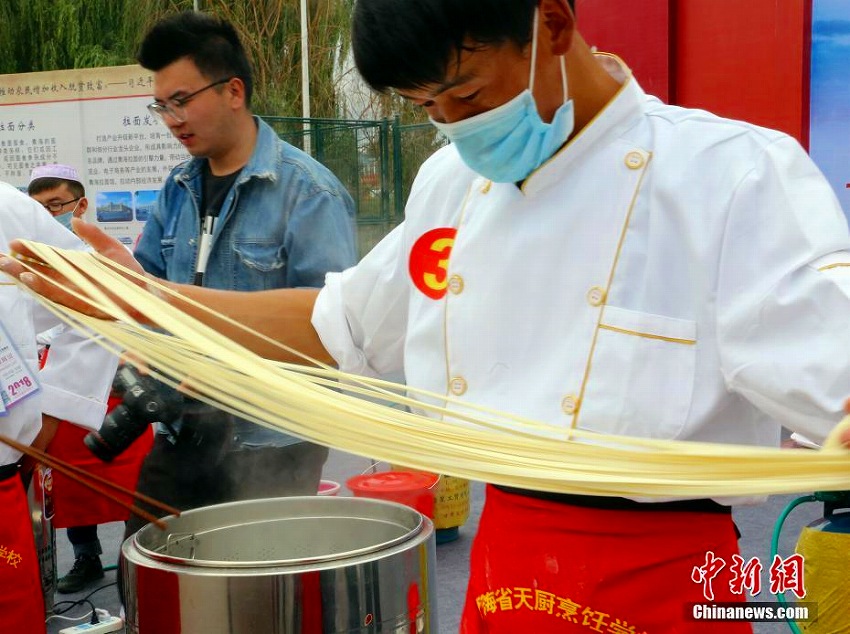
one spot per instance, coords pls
(65, 219)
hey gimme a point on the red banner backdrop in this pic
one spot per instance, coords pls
(745, 60)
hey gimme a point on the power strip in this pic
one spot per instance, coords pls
(107, 624)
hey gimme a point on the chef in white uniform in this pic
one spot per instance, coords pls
(652, 279)
(666, 274)
(588, 257)
(73, 386)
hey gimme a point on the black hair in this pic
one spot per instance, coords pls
(211, 43)
(50, 182)
(410, 43)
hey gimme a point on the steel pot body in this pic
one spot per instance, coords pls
(298, 565)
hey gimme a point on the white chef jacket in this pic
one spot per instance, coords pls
(667, 274)
(76, 379)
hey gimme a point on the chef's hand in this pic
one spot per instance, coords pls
(839, 437)
(99, 241)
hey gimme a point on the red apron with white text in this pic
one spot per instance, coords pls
(544, 566)
(21, 600)
(76, 505)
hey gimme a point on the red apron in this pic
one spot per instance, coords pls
(544, 566)
(76, 505)
(21, 599)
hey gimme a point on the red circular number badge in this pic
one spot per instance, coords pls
(429, 261)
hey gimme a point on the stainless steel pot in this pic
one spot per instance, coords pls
(299, 565)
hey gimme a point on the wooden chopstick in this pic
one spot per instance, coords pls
(82, 472)
(87, 479)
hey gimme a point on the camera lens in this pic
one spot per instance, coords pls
(118, 431)
(144, 401)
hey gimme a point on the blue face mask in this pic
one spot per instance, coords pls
(507, 143)
(65, 219)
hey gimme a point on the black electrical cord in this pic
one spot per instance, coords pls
(79, 602)
(96, 590)
(73, 604)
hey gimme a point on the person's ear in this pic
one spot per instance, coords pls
(236, 91)
(559, 25)
(81, 208)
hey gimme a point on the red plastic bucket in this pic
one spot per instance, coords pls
(328, 487)
(413, 488)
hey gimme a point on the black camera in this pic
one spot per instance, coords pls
(144, 401)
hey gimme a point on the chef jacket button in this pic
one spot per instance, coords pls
(458, 385)
(486, 188)
(456, 284)
(596, 296)
(569, 404)
(634, 160)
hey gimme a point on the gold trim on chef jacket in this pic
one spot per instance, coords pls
(589, 124)
(834, 266)
(453, 381)
(647, 335)
(631, 163)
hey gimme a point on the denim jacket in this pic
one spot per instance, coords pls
(286, 222)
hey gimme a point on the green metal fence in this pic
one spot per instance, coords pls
(375, 160)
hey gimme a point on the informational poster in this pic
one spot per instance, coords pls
(97, 121)
(829, 133)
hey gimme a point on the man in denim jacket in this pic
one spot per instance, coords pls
(247, 212)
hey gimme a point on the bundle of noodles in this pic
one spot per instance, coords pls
(422, 430)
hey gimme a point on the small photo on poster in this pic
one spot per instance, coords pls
(145, 200)
(114, 206)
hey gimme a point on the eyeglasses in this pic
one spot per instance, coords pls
(176, 106)
(57, 206)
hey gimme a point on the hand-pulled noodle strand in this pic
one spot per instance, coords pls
(416, 428)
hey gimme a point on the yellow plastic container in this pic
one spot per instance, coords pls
(827, 560)
(451, 507)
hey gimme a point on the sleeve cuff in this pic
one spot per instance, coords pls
(333, 329)
(82, 411)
